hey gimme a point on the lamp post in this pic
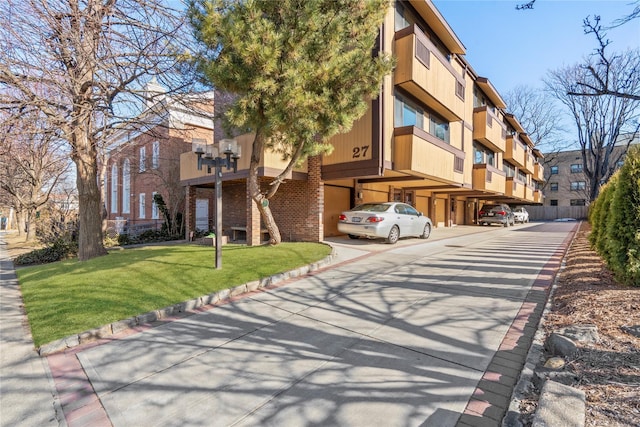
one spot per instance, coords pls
(209, 155)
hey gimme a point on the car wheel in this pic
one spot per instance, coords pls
(394, 234)
(426, 232)
(353, 236)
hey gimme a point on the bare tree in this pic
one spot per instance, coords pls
(92, 54)
(604, 69)
(603, 122)
(31, 165)
(538, 115)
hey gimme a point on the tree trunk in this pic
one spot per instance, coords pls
(30, 226)
(90, 204)
(257, 195)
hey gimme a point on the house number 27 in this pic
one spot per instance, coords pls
(360, 151)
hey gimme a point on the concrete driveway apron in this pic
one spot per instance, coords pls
(398, 336)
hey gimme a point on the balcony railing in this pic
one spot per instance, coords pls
(514, 188)
(416, 152)
(529, 163)
(488, 129)
(488, 178)
(538, 172)
(425, 73)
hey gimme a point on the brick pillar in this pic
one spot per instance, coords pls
(315, 220)
(190, 210)
(253, 220)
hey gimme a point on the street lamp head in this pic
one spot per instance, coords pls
(198, 145)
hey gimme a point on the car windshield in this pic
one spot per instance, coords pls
(491, 208)
(372, 207)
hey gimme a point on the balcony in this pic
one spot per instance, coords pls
(426, 74)
(514, 188)
(515, 152)
(529, 163)
(537, 196)
(488, 178)
(488, 129)
(529, 193)
(271, 164)
(538, 172)
(416, 152)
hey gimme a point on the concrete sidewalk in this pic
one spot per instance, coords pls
(26, 388)
(430, 333)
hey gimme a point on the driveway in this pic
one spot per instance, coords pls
(397, 335)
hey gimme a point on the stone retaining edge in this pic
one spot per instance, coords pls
(186, 307)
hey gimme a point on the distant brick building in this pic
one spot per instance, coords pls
(567, 184)
(143, 162)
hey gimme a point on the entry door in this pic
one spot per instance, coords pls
(202, 214)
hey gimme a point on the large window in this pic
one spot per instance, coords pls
(154, 207)
(578, 202)
(143, 159)
(482, 155)
(438, 128)
(142, 206)
(509, 170)
(407, 113)
(553, 170)
(578, 185)
(126, 187)
(155, 155)
(114, 189)
(576, 168)
(553, 202)
(553, 186)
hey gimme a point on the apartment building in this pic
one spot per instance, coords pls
(144, 160)
(567, 184)
(437, 137)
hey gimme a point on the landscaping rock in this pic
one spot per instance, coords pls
(560, 405)
(581, 333)
(633, 330)
(560, 345)
(542, 375)
(555, 363)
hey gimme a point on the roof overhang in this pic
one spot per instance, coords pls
(439, 25)
(491, 92)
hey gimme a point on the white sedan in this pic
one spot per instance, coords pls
(390, 220)
(521, 215)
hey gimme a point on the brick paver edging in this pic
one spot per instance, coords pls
(493, 395)
(173, 312)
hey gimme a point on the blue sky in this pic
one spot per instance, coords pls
(517, 47)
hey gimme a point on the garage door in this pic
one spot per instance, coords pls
(336, 200)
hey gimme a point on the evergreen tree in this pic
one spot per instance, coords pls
(302, 71)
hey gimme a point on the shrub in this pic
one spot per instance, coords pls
(624, 222)
(59, 250)
(599, 214)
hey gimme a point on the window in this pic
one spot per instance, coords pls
(114, 189)
(143, 159)
(578, 185)
(553, 186)
(554, 170)
(578, 202)
(142, 206)
(407, 114)
(155, 155)
(509, 170)
(438, 128)
(482, 155)
(154, 207)
(553, 202)
(126, 187)
(576, 168)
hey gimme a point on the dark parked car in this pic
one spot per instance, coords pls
(496, 214)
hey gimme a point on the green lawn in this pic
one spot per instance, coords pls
(69, 297)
